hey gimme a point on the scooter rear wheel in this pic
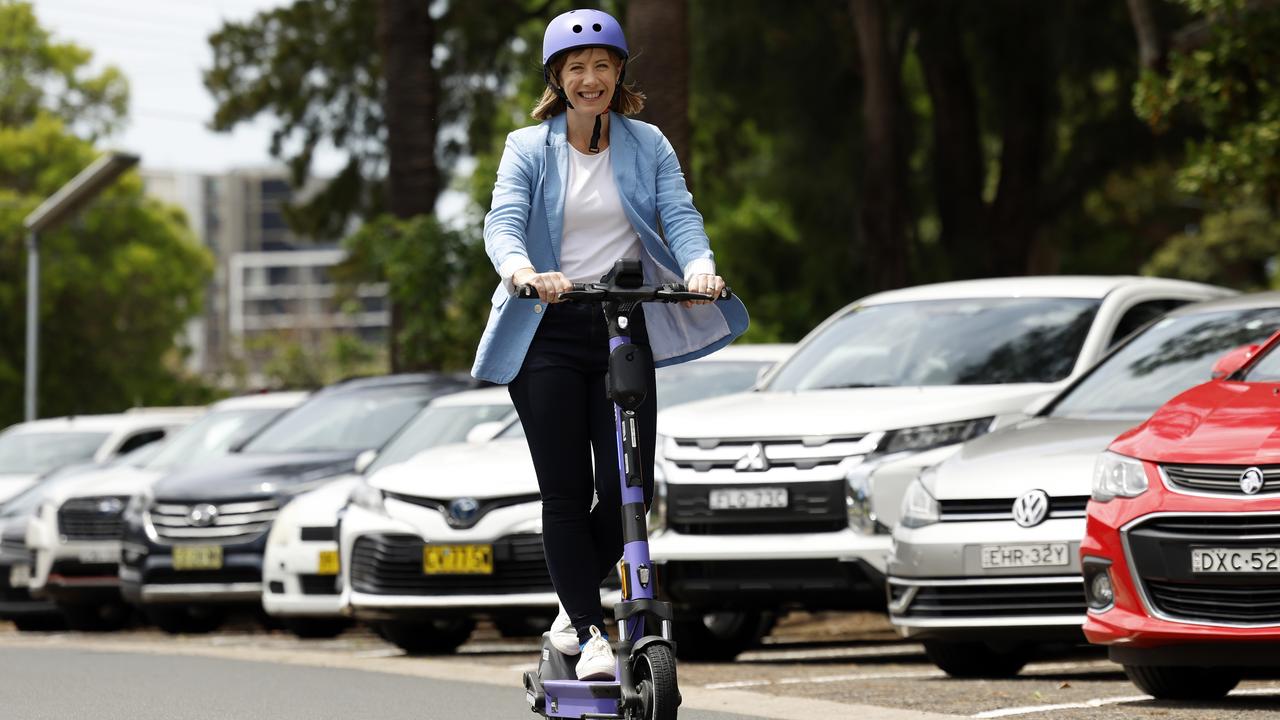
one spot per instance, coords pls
(654, 672)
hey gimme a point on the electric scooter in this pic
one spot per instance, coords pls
(645, 687)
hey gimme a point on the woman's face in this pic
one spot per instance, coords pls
(588, 78)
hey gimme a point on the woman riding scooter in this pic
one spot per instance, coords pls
(586, 186)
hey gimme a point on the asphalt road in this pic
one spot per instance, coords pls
(60, 683)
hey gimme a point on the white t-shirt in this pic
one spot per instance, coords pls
(596, 230)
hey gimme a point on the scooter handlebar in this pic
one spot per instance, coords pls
(599, 292)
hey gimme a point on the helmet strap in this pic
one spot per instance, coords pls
(595, 134)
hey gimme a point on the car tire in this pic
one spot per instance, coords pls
(1183, 683)
(186, 620)
(427, 637)
(108, 617)
(316, 628)
(39, 623)
(976, 659)
(720, 636)
(526, 626)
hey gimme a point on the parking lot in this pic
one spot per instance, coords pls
(834, 665)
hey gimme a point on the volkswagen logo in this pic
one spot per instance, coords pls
(1030, 508)
(1252, 480)
(202, 516)
(463, 510)
(753, 461)
(110, 506)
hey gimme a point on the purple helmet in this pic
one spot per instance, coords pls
(580, 29)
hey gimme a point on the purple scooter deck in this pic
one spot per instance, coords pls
(575, 698)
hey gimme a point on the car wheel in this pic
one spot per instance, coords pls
(1183, 683)
(39, 623)
(107, 617)
(523, 627)
(427, 637)
(976, 659)
(316, 628)
(183, 619)
(720, 636)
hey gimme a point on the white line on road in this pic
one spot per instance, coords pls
(834, 652)
(822, 679)
(1099, 702)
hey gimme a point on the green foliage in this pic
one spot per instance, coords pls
(1232, 247)
(120, 279)
(441, 282)
(39, 76)
(118, 283)
(290, 362)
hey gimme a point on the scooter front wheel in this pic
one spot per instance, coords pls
(654, 672)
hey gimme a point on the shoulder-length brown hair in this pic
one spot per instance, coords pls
(627, 100)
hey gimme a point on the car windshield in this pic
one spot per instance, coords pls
(211, 436)
(990, 341)
(438, 425)
(687, 382)
(1171, 356)
(40, 452)
(345, 421)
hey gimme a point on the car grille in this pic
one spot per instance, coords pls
(392, 565)
(318, 584)
(993, 600)
(811, 507)
(752, 455)
(1160, 550)
(1220, 479)
(235, 521)
(14, 546)
(93, 518)
(169, 576)
(1002, 509)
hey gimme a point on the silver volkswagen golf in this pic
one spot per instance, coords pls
(985, 564)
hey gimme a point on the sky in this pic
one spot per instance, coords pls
(161, 47)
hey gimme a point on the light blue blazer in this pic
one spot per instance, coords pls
(527, 220)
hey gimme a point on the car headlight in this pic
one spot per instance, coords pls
(368, 497)
(919, 508)
(926, 437)
(658, 511)
(858, 503)
(1118, 476)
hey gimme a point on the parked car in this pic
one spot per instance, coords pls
(1181, 556)
(193, 542)
(300, 568)
(985, 564)
(31, 449)
(74, 536)
(767, 502)
(455, 533)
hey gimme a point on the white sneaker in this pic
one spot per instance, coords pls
(597, 661)
(563, 636)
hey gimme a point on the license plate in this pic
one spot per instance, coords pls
(197, 557)
(97, 556)
(20, 576)
(328, 564)
(1235, 560)
(457, 560)
(764, 498)
(1021, 556)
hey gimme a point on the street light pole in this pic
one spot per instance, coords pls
(33, 348)
(57, 207)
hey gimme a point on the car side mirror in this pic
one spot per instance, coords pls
(485, 431)
(1228, 364)
(364, 460)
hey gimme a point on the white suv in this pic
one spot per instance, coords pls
(766, 503)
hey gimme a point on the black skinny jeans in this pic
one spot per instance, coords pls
(560, 396)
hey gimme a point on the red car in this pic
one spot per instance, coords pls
(1181, 556)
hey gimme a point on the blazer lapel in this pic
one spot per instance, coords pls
(555, 178)
(622, 146)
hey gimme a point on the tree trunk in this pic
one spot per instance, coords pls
(883, 216)
(658, 35)
(1150, 41)
(959, 175)
(406, 39)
